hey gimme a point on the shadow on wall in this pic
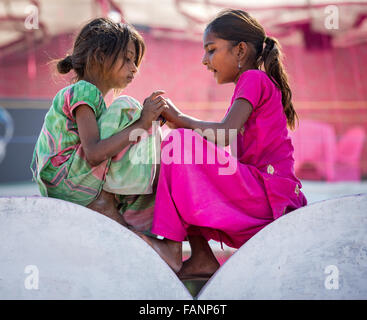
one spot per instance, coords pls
(23, 126)
(6, 131)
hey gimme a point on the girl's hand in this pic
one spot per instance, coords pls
(171, 113)
(153, 106)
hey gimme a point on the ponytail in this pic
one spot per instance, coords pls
(64, 65)
(272, 61)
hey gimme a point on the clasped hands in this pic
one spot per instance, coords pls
(156, 107)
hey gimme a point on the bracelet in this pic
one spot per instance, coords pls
(162, 120)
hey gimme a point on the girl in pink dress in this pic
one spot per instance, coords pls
(233, 197)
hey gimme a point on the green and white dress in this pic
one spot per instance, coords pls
(60, 167)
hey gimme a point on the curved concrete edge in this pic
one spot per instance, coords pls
(323, 237)
(78, 254)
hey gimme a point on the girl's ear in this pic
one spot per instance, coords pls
(99, 57)
(242, 52)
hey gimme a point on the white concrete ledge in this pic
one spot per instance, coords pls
(53, 249)
(316, 252)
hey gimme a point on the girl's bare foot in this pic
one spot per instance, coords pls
(202, 263)
(106, 204)
(170, 251)
(198, 267)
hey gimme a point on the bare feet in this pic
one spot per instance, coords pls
(106, 204)
(198, 267)
(170, 251)
(202, 263)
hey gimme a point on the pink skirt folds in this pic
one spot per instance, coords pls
(213, 195)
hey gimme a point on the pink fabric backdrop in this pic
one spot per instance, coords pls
(329, 86)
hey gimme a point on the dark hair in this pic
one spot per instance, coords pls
(99, 40)
(237, 26)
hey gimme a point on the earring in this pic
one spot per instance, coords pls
(239, 65)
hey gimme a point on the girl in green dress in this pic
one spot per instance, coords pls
(84, 153)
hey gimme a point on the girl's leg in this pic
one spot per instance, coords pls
(106, 204)
(170, 251)
(202, 262)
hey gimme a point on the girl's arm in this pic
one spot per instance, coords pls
(97, 150)
(235, 119)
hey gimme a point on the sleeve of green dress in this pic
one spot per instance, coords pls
(81, 93)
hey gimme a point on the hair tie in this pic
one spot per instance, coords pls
(269, 44)
(269, 41)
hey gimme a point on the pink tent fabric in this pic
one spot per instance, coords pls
(326, 67)
(349, 151)
(315, 145)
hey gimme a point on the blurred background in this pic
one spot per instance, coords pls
(325, 49)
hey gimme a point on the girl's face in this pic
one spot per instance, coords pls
(221, 58)
(124, 70)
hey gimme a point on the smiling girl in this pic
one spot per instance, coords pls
(194, 201)
(83, 152)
